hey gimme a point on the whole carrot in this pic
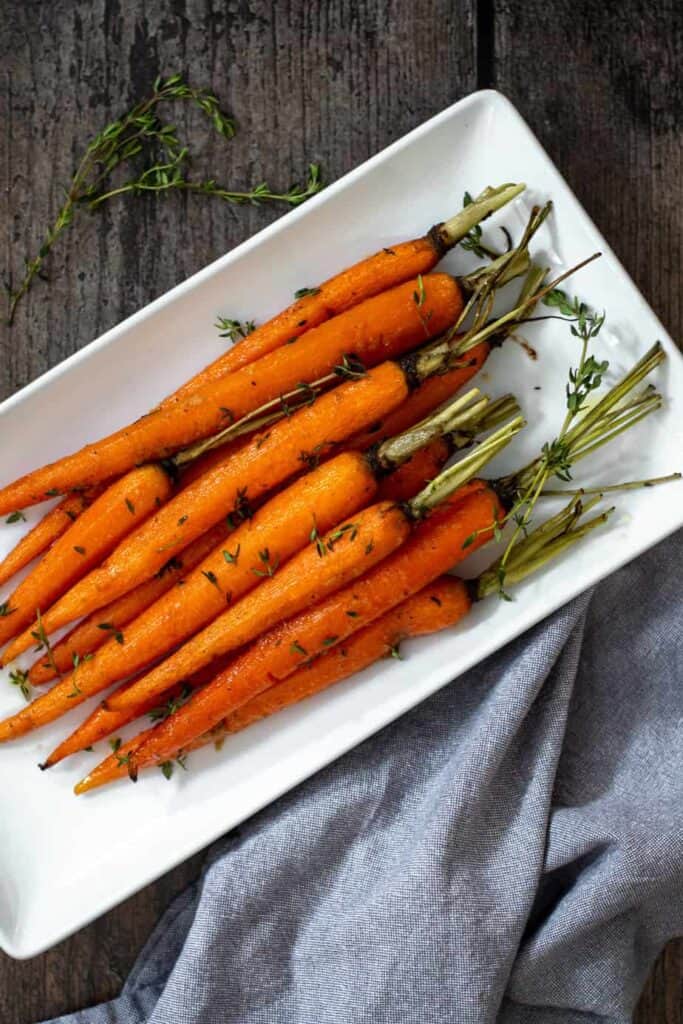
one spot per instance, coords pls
(117, 511)
(317, 571)
(436, 607)
(256, 467)
(53, 524)
(108, 622)
(377, 273)
(293, 519)
(434, 546)
(382, 327)
(247, 688)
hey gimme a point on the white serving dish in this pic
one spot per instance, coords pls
(64, 861)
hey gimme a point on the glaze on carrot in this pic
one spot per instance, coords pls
(49, 529)
(118, 510)
(383, 270)
(382, 327)
(436, 607)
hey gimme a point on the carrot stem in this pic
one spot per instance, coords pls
(487, 202)
(450, 480)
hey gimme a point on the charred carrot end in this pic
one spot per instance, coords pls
(118, 510)
(423, 400)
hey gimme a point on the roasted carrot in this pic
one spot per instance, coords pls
(377, 273)
(436, 607)
(267, 460)
(414, 474)
(108, 622)
(262, 680)
(434, 546)
(49, 529)
(293, 518)
(122, 506)
(377, 531)
(423, 400)
(382, 327)
(432, 609)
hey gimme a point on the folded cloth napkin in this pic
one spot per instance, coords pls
(511, 850)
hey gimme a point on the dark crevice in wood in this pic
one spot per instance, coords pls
(486, 44)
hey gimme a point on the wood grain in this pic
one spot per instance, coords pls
(334, 82)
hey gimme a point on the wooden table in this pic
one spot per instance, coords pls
(332, 81)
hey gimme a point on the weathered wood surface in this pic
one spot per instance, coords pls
(334, 82)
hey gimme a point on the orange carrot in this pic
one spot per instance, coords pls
(308, 507)
(434, 546)
(53, 524)
(122, 506)
(423, 400)
(315, 572)
(90, 635)
(306, 578)
(382, 327)
(374, 274)
(266, 461)
(411, 477)
(434, 608)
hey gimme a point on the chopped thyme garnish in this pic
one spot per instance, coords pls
(301, 293)
(15, 517)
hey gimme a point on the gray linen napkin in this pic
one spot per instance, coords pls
(510, 850)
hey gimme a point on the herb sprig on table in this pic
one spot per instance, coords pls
(146, 153)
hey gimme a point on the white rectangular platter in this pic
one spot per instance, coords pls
(63, 860)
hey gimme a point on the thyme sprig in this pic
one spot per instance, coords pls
(151, 158)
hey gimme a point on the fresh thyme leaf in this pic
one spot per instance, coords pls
(43, 643)
(211, 577)
(109, 627)
(231, 557)
(296, 648)
(352, 615)
(19, 679)
(437, 601)
(395, 652)
(15, 517)
(172, 564)
(270, 567)
(316, 539)
(301, 293)
(329, 640)
(234, 330)
(115, 744)
(172, 705)
(420, 295)
(137, 154)
(130, 506)
(350, 368)
(5, 609)
(79, 549)
(166, 768)
(183, 519)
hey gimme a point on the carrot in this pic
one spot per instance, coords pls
(382, 327)
(423, 400)
(374, 274)
(53, 524)
(409, 478)
(290, 519)
(255, 468)
(434, 546)
(122, 506)
(318, 570)
(90, 635)
(378, 530)
(434, 608)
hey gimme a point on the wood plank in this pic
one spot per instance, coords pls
(333, 82)
(604, 94)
